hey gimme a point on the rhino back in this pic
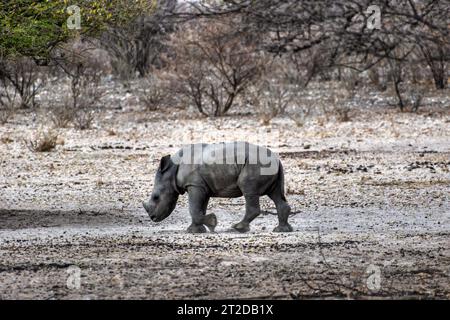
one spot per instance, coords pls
(224, 169)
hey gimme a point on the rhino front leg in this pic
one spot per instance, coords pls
(198, 202)
(252, 210)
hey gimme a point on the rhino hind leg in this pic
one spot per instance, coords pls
(283, 211)
(252, 210)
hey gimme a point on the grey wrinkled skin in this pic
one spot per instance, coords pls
(237, 175)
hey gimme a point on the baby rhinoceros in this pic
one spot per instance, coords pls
(226, 170)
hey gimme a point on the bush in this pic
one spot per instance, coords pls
(282, 87)
(34, 28)
(152, 93)
(300, 114)
(437, 57)
(20, 80)
(84, 75)
(210, 68)
(5, 114)
(84, 118)
(62, 116)
(136, 47)
(43, 141)
(273, 98)
(378, 77)
(7, 103)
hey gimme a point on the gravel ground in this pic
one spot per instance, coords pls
(372, 197)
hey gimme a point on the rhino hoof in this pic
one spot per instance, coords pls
(283, 228)
(241, 227)
(194, 228)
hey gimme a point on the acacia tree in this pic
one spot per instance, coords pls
(31, 30)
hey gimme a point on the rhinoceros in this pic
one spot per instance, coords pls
(225, 170)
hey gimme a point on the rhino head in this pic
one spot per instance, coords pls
(165, 193)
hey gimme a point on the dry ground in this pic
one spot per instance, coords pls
(372, 196)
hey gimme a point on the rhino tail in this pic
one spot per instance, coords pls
(210, 220)
(281, 180)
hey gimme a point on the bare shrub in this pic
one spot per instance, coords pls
(136, 47)
(85, 96)
(84, 87)
(152, 93)
(413, 97)
(343, 97)
(84, 75)
(416, 101)
(7, 105)
(350, 82)
(61, 116)
(5, 114)
(377, 76)
(123, 71)
(272, 99)
(343, 114)
(341, 29)
(289, 77)
(437, 57)
(277, 99)
(304, 66)
(20, 78)
(84, 118)
(300, 114)
(8, 100)
(128, 52)
(300, 68)
(396, 75)
(43, 141)
(279, 87)
(408, 85)
(210, 68)
(340, 109)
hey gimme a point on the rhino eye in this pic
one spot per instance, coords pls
(155, 198)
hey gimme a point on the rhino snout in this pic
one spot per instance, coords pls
(149, 211)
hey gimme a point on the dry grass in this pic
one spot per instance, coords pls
(43, 141)
(6, 140)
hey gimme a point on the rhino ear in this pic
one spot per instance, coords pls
(165, 163)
